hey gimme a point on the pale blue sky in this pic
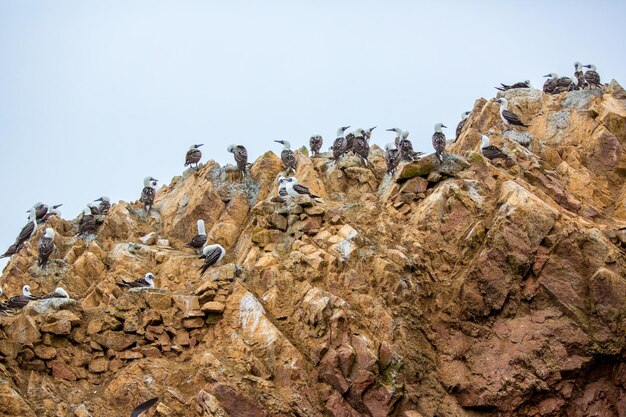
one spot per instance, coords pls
(96, 95)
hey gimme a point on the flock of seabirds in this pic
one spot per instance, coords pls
(355, 142)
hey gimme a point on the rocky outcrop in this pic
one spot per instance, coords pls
(460, 288)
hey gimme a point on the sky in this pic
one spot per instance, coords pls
(95, 96)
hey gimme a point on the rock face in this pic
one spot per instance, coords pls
(456, 289)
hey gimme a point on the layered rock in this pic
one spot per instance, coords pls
(457, 288)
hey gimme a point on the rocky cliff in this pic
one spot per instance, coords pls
(457, 289)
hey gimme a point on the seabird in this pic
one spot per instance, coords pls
(200, 239)
(591, 76)
(367, 134)
(148, 193)
(398, 135)
(287, 156)
(406, 148)
(27, 231)
(57, 293)
(52, 212)
(315, 143)
(392, 157)
(241, 157)
(349, 142)
(439, 141)
(105, 204)
(211, 254)
(340, 146)
(459, 127)
(360, 145)
(508, 117)
(282, 187)
(20, 301)
(294, 189)
(521, 84)
(94, 208)
(193, 155)
(87, 223)
(45, 247)
(145, 282)
(579, 75)
(40, 210)
(556, 85)
(141, 408)
(491, 152)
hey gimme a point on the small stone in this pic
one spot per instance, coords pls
(99, 365)
(158, 301)
(213, 307)
(45, 352)
(61, 327)
(163, 243)
(193, 323)
(63, 371)
(149, 239)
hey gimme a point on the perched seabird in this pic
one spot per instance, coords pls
(211, 254)
(104, 204)
(439, 141)
(200, 239)
(392, 157)
(27, 231)
(57, 293)
(193, 155)
(40, 210)
(556, 85)
(241, 157)
(367, 134)
(282, 187)
(349, 142)
(459, 127)
(579, 75)
(508, 117)
(398, 135)
(20, 301)
(87, 223)
(294, 189)
(521, 84)
(340, 146)
(145, 282)
(491, 152)
(148, 193)
(45, 247)
(52, 212)
(287, 156)
(591, 76)
(141, 408)
(315, 143)
(360, 145)
(10, 252)
(406, 148)
(94, 208)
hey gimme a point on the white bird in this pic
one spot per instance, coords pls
(508, 117)
(287, 155)
(200, 239)
(392, 157)
(294, 189)
(146, 282)
(211, 254)
(148, 193)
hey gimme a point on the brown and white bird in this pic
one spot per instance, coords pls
(241, 157)
(294, 189)
(20, 301)
(200, 239)
(315, 143)
(392, 157)
(211, 254)
(148, 193)
(45, 247)
(57, 293)
(398, 135)
(491, 152)
(360, 146)
(25, 234)
(367, 134)
(591, 76)
(508, 117)
(459, 127)
(104, 205)
(87, 223)
(579, 75)
(287, 155)
(340, 146)
(439, 141)
(521, 84)
(406, 148)
(193, 155)
(54, 211)
(40, 210)
(146, 282)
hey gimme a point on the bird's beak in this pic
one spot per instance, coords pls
(546, 76)
(202, 144)
(279, 141)
(346, 127)
(100, 199)
(587, 66)
(444, 126)
(390, 130)
(57, 206)
(373, 128)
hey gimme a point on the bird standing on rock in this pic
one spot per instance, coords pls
(148, 193)
(87, 224)
(27, 231)
(282, 187)
(508, 117)
(104, 205)
(200, 239)
(340, 146)
(360, 145)
(491, 152)
(20, 301)
(241, 157)
(591, 76)
(439, 141)
(406, 148)
(193, 155)
(146, 282)
(57, 293)
(459, 127)
(392, 157)
(294, 189)
(315, 143)
(45, 247)
(287, 155)
(211, 254)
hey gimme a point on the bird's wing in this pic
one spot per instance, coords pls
(144, 407)
(459, 127)
(212, 257)
(439, 140)
(241, 154)
(147, 195)
(301, 189)
(19, 301)
(197, 241)
(512, 117)
(26, 232)
(288, 158)
(46, 246)
(492, 152)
